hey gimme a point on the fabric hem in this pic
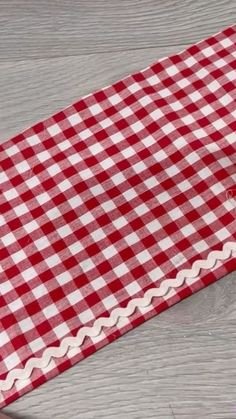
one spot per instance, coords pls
(184, 277)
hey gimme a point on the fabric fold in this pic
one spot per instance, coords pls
(114, 209)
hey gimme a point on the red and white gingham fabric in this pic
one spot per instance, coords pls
(114, 196)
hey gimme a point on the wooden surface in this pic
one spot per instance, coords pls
(181, 364)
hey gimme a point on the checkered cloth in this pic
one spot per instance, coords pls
(113, 199)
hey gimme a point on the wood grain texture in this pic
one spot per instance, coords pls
(68, 27)
(31, 90)
(181, 364)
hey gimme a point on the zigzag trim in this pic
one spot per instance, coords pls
(116, 314)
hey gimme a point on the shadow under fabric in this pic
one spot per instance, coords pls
(114, 209)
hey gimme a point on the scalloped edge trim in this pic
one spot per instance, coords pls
(116, 314)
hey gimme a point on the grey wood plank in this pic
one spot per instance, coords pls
(179, 365)
(34, 89)
(67, 27)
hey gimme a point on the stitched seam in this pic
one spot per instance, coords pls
(69, 342)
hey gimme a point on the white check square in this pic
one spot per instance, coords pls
(54, 130)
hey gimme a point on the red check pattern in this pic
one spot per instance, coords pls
(109, 198)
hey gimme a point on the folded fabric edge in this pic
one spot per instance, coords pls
(185, 276)
(40, 125)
